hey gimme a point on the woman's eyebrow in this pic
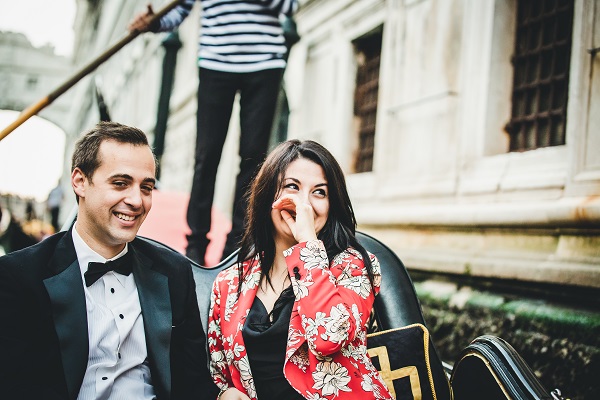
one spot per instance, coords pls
(298, 181)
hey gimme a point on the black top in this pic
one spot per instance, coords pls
(265, 336)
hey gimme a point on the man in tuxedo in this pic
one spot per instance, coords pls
(94, 312)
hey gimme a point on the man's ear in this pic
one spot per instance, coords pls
(78, 182)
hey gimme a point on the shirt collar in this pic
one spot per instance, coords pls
(85, 254)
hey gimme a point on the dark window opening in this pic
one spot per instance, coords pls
(541, 74)
(368, 54)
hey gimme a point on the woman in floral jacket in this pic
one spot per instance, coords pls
(288, 321)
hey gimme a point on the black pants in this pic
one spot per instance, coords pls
(216, 94)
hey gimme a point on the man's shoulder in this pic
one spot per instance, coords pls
(45, 246)
(32, 256)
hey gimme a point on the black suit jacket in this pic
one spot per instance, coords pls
(43, 333)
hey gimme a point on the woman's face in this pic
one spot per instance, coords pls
(305, 180)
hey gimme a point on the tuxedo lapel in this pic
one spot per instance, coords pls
(155, 301)
(67, 298)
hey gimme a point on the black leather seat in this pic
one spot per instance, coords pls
(204, 278)
(492, 366)
(395, 306)
(487, 369)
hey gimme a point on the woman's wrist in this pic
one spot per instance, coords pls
(221, 392)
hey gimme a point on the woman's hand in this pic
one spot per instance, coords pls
(233, 394)
(300, 217)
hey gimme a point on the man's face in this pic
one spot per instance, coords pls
(114, 202)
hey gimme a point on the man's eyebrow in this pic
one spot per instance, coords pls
(130, 178)
(121, 176)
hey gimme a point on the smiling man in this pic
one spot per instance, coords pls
(94, 312)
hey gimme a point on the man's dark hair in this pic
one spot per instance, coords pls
(85, 155)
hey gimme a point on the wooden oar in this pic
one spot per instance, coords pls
(41, 104)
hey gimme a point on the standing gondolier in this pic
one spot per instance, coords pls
(241, 49)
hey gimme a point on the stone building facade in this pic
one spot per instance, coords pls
(443, 187)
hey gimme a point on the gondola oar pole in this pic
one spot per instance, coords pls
(41, 104)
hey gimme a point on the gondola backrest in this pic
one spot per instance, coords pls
(395, 306)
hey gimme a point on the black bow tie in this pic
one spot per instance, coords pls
(96, 270)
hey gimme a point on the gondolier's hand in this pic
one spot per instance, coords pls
(141, 22)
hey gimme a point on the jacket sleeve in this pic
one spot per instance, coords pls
(21, 375)
(174, 18)
(287, 7)
(334, 307)
(218, 363)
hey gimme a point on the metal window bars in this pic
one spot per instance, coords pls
(541, 74)
(365, 98)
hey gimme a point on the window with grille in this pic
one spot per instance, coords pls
(368, 54)
(541, 74)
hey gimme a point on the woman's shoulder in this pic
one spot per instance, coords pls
(353, 256)
(352, 252)
(232, 273)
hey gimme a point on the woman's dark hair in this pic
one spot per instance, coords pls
(339, 231)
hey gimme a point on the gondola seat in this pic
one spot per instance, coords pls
(488, 369)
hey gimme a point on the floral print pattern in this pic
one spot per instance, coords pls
(331, 377)
(326, 355)
(246, 376)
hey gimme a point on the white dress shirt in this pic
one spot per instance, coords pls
(117, 366)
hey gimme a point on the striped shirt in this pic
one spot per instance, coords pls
(236, 35)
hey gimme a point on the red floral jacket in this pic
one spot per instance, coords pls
(326, 355)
